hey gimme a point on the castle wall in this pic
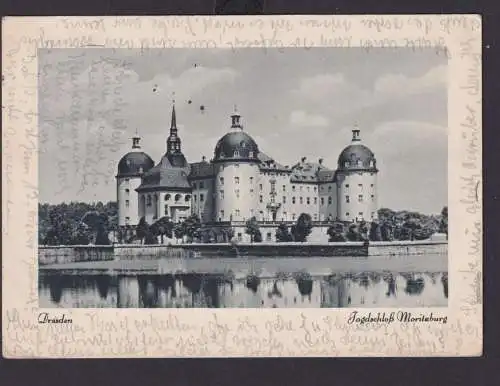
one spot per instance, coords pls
(203, 199)
(128, 200)
(357, 195)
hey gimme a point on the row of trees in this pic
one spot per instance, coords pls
(80, 224)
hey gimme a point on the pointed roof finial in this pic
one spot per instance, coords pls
(235, 119)
(173, 123)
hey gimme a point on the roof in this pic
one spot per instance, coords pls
(167, 175)
(134, 163)
(202, 169)
(268, 163)
(357, 157)
(236, 145)
(311, 172)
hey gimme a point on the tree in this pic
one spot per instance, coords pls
(283, 234)
(443, 224)
(252, 229)
(81, 235)
(302, 228)
(387, 231)
(192, 226)
(375, 231)
(142, 229)
(363, 230)
(102, 236)
(336, 233)
(179, 231)
(163, 227)
(353, 233)
(150, 238)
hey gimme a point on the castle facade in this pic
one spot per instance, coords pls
(241, 182)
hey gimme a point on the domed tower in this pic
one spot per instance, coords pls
(357, 182)
(237, 170)
(130, 169)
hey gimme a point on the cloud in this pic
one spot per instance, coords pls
(301, 118)
(399, 84)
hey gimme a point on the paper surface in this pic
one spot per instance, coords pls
(203, 332)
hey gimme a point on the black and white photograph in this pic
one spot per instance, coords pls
(243, 178)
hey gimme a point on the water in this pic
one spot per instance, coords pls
(377, 288)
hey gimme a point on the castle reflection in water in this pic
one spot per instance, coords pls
(384, 289)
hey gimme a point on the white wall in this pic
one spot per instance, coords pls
(354, 185)
(125, 191)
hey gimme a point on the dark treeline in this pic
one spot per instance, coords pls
(80, 223)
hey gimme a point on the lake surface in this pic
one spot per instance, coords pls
(374, 283)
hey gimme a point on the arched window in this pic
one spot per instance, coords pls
(167, 197)
(187, 198)
(236, 154)
(177, 197)
(149, 200)
(250, 155)
(329, 200)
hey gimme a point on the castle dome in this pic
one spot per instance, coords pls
(136, 162)
(357, 156)
(236, 145)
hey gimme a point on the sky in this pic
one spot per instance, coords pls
(294, 102)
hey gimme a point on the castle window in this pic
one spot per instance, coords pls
(322, 200)
(127, 179)
(373, 197)
(329, 200)
(360, 186)
(300, 188)
(284, 215)
(221, 179)
(346, 164)
(251, 191)
(315, 217)
(237, 191)
(301, 199)
(202, 197)
(360, 198)
(127, 203)
(187, 198)
(239, 237)
(293, 200)
(148, 202)
(293, 216)
(251, 180)
(221, 194)
(347, 214)
(373, 215)
(308, 188)
(194, 197)
(195, 185)
(260, 198)
(360, 214)
(237, 212)
(127, 190)
(347, 199)
(308, 201)
(371, 185)
(346, 186)
(284, 199)
(127, 219)
(166, 210)
(315, 189)
(222, 214)
(260, 187)
(315, 200)
(177, 197)
(250, 154)
(329, 188)
(236, 180)
(293, 188)
(167, 197)
(268, 236)
(284, 188)
(236, 153)
(201, 185)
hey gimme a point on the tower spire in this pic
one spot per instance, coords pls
(173, 141)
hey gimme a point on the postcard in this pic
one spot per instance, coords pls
(242, 186)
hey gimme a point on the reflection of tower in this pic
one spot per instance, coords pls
(273, 206)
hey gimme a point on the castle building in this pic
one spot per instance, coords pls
(241, 182)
